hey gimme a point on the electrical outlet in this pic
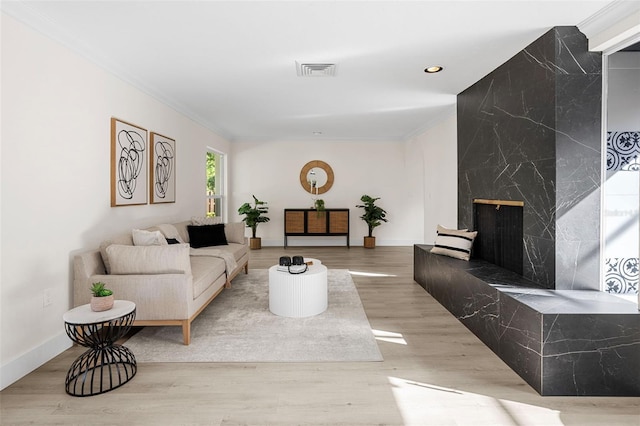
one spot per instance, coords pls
(46, 297)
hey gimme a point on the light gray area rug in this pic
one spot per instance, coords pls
(238, 327)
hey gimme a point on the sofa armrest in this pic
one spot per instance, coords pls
(87, 264)
(162, 296)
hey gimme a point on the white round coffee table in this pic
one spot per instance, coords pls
(298, 295)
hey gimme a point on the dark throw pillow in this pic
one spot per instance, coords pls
(206, 235)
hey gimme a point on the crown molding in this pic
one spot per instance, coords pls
(613, 27)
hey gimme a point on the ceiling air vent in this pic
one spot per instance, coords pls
(315, 70)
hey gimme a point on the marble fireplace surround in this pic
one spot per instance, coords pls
(531, 131)
(561, 342)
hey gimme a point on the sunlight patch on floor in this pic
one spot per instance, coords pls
(389, 336)
(370, 274)
(423, 403)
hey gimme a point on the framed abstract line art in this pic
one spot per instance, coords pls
(162, 154)
(129, 168)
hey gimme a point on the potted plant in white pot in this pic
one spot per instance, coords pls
(253, 217)
(373, 216)
(102, 298)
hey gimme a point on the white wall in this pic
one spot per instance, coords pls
(55, 192)
(438, 148)
(622, 187)
(387, 170)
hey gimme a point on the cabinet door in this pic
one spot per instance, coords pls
(339, 222)
(294, 222)
(316, 222)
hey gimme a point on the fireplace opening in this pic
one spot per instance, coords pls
(499, 239)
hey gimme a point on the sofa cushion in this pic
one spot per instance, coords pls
(170, 232)
(204, 220)
(181, 227)
(234, 232)
(148, 238)
(206, 270)
(238, 250)
(122, 239)
(206, 235)
(167, 259)
(454, 243)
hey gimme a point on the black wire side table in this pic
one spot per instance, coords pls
(106, 365)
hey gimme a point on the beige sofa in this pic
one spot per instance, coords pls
(169, 283)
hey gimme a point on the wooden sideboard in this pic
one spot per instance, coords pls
(309, 222)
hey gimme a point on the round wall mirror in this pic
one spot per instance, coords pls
(316, 177)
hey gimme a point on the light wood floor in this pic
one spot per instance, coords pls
(434, 372)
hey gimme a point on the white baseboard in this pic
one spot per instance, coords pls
(26, 363)
(396, 243)
(334, 241)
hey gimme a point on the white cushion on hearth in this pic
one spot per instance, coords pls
(454, 242)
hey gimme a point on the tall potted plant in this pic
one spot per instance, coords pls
(254, 216)
(373, 216)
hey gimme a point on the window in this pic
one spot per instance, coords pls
(621, 189)
(215, 184)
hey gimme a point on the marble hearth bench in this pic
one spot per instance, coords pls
(561, 342)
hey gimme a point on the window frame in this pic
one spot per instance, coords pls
(220, 189)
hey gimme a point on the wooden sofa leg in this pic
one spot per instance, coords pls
(246, 268)
(186, 332)
(227, 284)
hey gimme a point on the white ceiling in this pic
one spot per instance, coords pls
(231, 66)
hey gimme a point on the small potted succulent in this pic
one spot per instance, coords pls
(102, 299)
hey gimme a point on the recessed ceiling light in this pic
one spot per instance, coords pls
(317, 133)
(434, 69)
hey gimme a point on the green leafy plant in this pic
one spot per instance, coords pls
(373, 215)
(98, 290)
(318, 205)
(254, 214)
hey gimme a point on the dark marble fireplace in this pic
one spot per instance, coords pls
(531, 131)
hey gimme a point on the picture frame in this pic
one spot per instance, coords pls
(162, 169)
(129, 170)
